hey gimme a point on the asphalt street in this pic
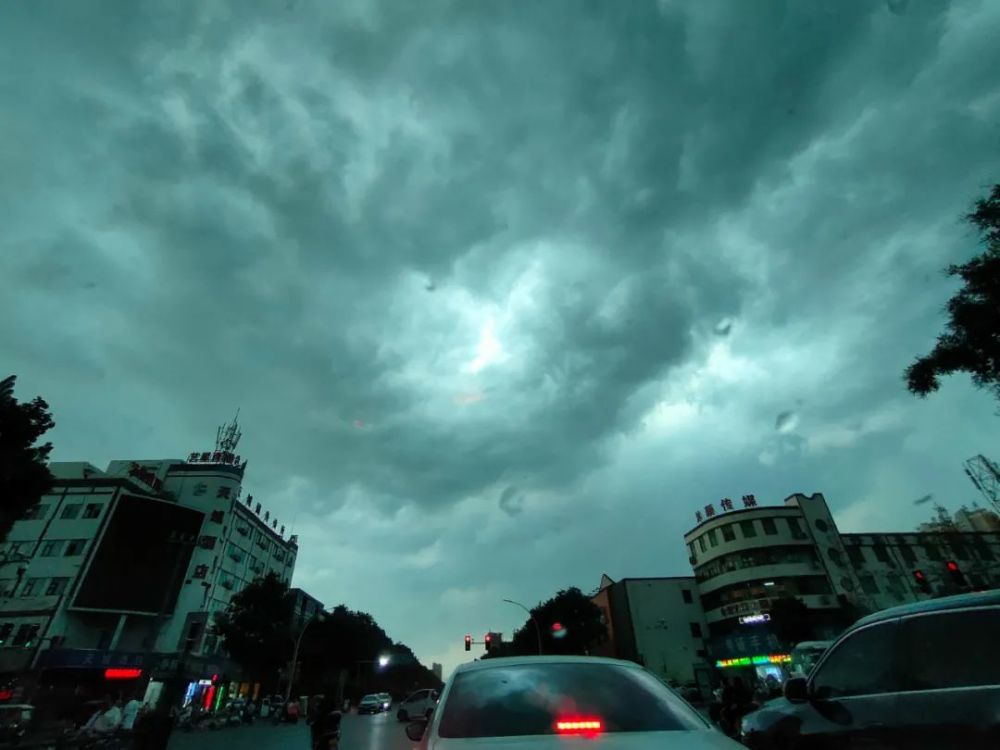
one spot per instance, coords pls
(380, 732)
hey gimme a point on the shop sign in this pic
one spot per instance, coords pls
(751, 661)
(725, 504)
(215, 457)
(751, 607)
(755, 619)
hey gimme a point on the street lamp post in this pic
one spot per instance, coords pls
(538, 631)
(319, 616)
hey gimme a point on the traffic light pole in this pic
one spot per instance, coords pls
(538, 631)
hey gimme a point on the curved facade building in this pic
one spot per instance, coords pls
(745, 559)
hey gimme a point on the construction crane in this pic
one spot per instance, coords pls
(986, 476)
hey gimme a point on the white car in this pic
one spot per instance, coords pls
(559, 702)
(418, 705)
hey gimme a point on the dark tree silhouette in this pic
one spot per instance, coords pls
(256, 628)
(791, 620)
(579, 621)
(971, 341)
(24, 474)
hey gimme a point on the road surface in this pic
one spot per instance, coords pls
(379, 732)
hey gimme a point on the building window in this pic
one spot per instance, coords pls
(747, 529)
(821, 525)
(222, 492)
(75, 547)
(868, 584)
(6, 586)
(856, 555)
(71, 511)
(93, 510)
(983, 550)
(51, 549)
(906, 552)
(25, 635)
(56, 586)
(932, 552)
(686, 594)
(881, 553)
(701, 653)
(711, 538)
(727, 533)
(31, 586)
(701, 543)
(960, 551)
(768, 526)
(201, 571)
(793, 526)
(695, 629)
(37, 512)
(217, 516)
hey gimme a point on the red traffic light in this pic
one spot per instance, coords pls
(468, 642)
(556, 627)
(952, 566)
(488, 638)
(919, 575)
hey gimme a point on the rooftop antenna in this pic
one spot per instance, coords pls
(227, 437)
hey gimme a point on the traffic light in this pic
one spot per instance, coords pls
(956, 575)
(488, 640)
(468, 643)
(558, 630)
(921, 580)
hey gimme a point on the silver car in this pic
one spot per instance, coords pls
(545, 702)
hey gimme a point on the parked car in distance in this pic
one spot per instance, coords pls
(417, 704)
(555, 702)
(921, 676)
(386, 700)
(371, 704)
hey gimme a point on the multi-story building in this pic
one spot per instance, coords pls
(305, 607)
(746, 558)
(657, 622)
(964, 519)
(122, 569)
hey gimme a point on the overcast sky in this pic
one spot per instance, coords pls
(505, 291)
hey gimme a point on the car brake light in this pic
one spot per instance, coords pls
(579, 726)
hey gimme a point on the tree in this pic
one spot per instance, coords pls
(791, 620)
(256, 627)
(971, 341)
(350, 643)
(24, 474)
(579, 627)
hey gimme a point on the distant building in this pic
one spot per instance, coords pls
(964, 519)
(657, 622)
(746, 558)
(122, 569)
(304, 607)
(437, 670)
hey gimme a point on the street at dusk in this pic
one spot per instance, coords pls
(378, 732)
(619, 369)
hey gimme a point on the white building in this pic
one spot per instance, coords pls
(746, 558)
(657, 622)
(122, 569)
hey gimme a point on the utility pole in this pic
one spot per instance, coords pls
(538, 631)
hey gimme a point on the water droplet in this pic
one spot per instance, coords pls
(787, 421)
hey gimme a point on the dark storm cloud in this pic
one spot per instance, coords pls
(459, 262)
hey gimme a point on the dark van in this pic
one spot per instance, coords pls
(920, 676)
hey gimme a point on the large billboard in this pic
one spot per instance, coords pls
(142, 558)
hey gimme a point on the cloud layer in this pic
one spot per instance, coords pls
(504, 291)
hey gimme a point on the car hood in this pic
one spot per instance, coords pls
(704, 739)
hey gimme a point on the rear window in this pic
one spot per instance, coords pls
(526, 699)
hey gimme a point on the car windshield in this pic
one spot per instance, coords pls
(528, 699)
(370, 699)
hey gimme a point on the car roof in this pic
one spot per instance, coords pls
(507, 661)
(958, 601)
